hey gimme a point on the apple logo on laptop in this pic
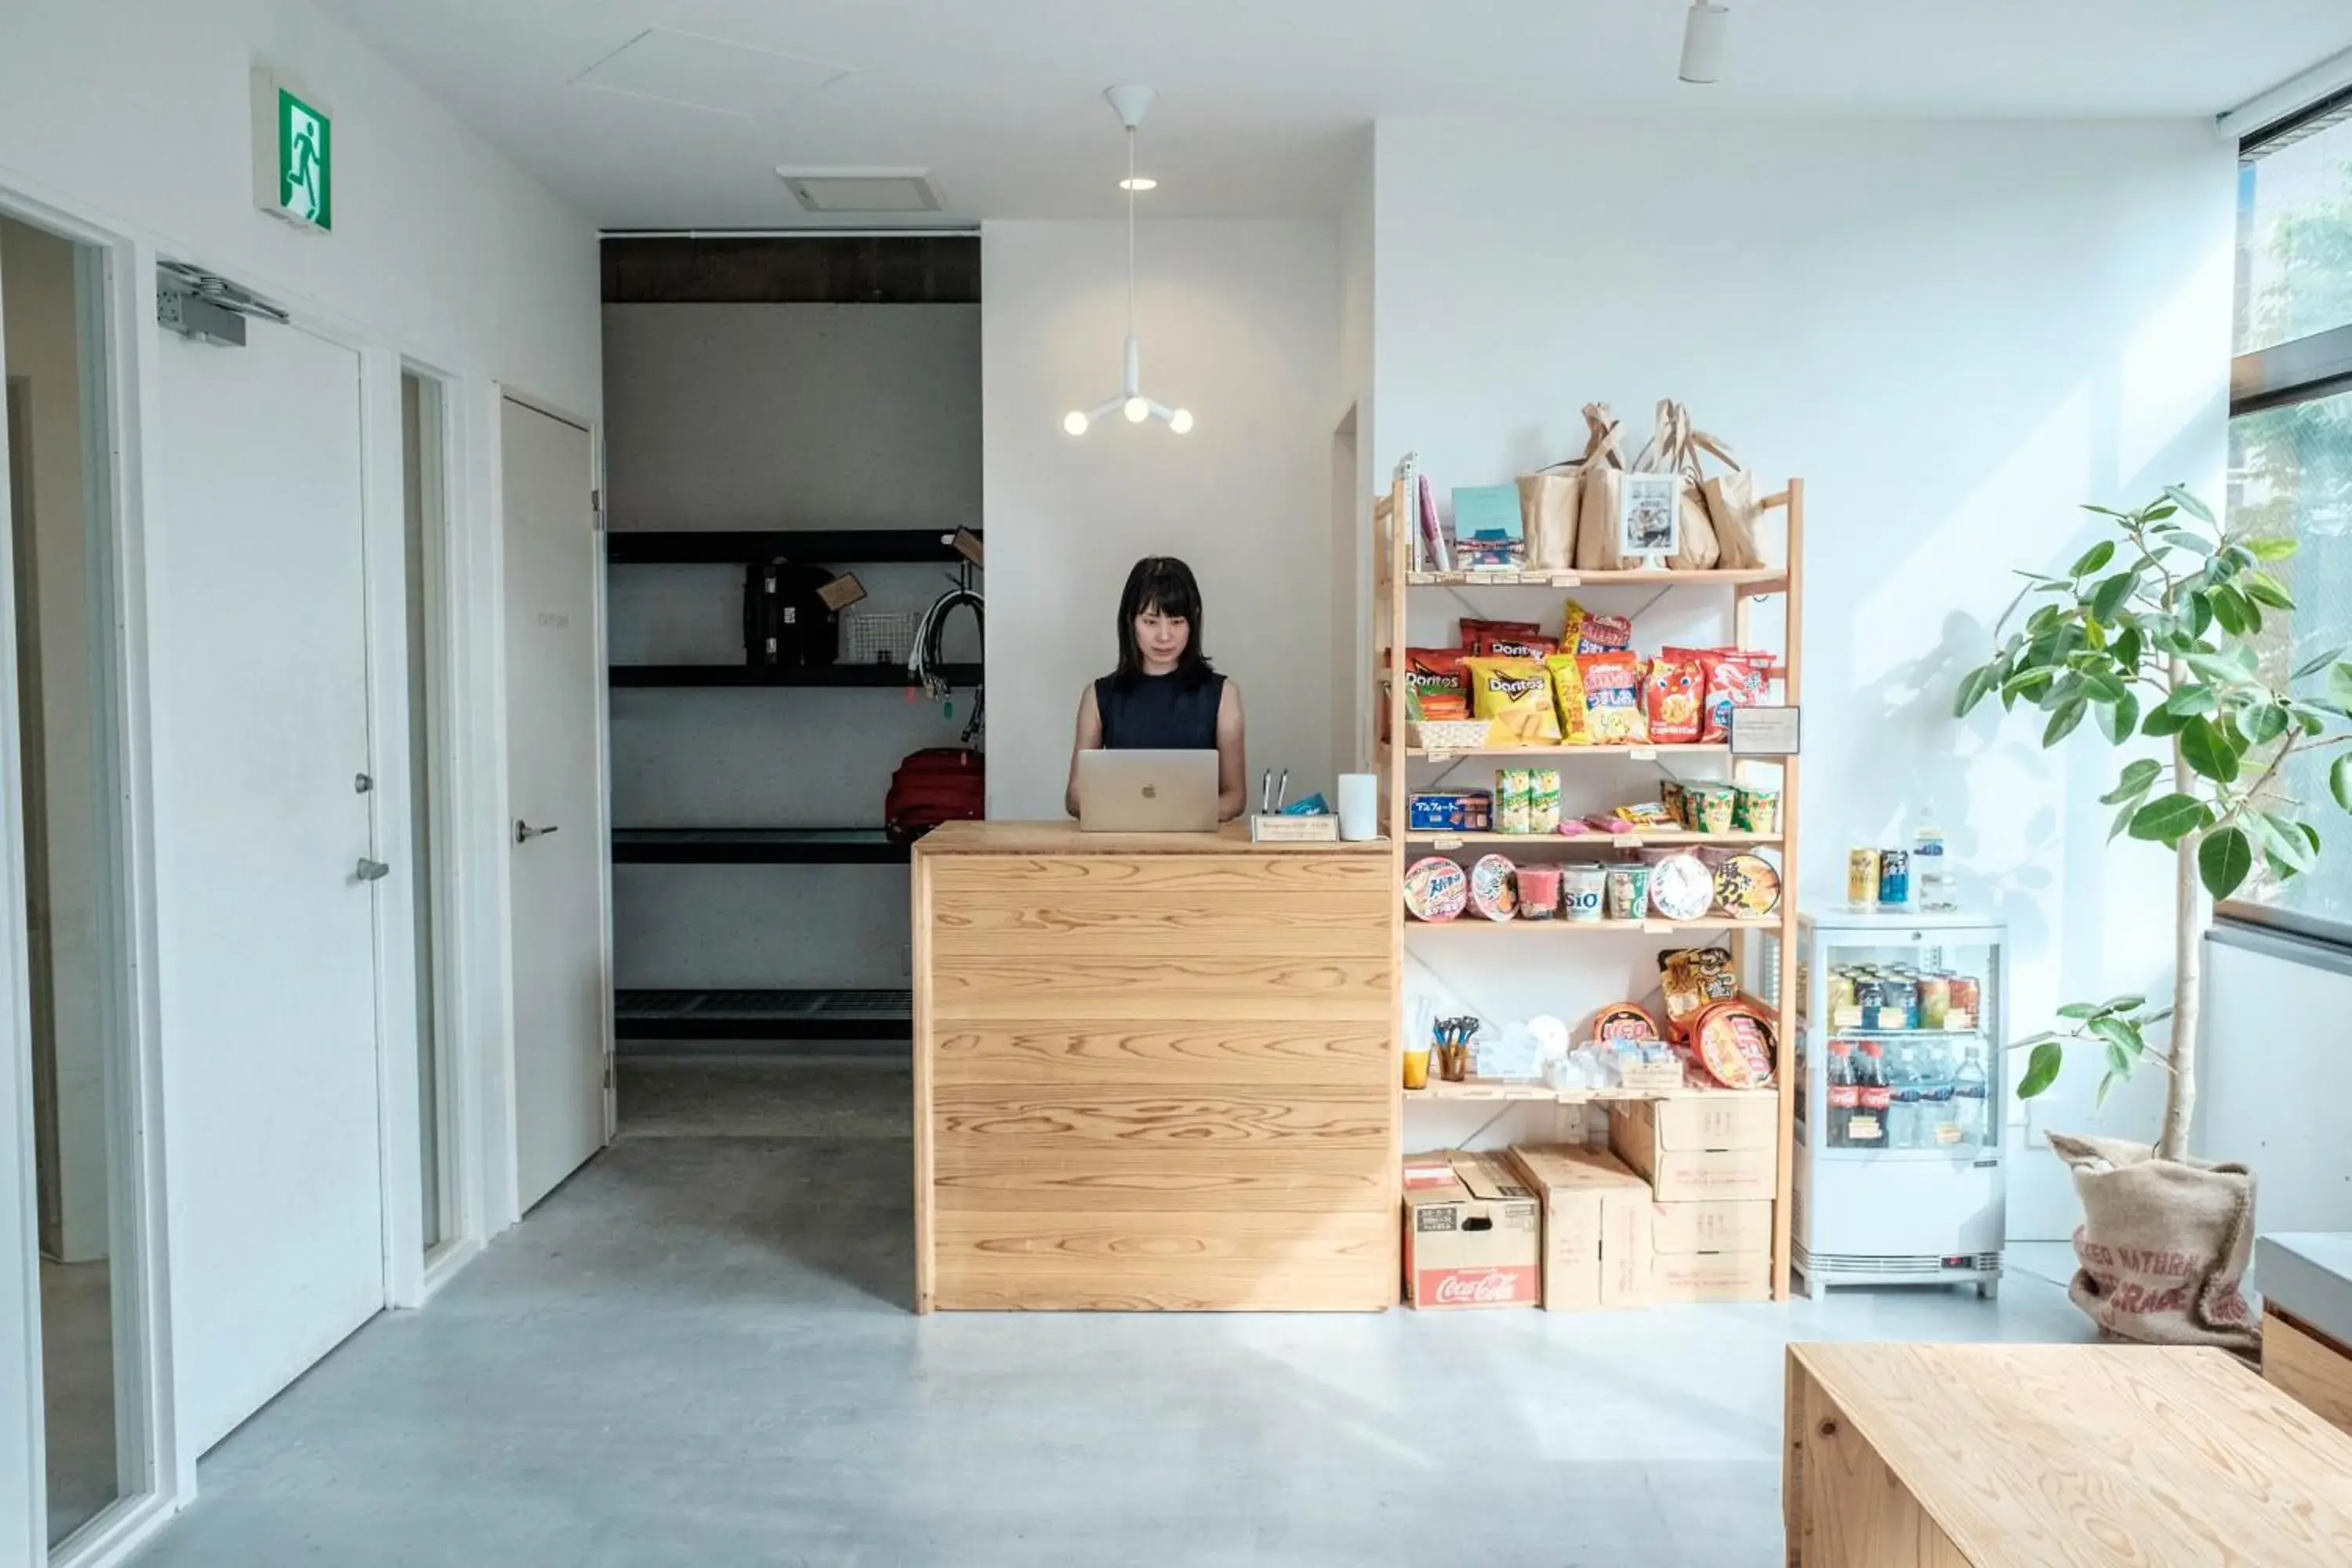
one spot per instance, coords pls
(1151, 792)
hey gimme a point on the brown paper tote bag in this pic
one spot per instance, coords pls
(1731, 507)
(1596, 510)
(1547, 502)
(1700, 549)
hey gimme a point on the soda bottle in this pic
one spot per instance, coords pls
(1844, 1092)
(1866, 1128)
(1971, 1105)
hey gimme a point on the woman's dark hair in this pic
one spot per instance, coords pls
(1164, 584)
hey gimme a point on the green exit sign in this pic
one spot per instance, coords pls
(293, 154)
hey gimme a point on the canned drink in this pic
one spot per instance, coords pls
(1934, 1001)
(1841, 991)
(1961, 1011)
(1903, 997)
(1862, 878)
(1870, 996)
(1894, 878)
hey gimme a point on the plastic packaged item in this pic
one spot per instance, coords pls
(1672, 694)
(1971, 1101)
(1841, 1092)
(1493, 887)
(1494, 646)
(1434, 687)
(1645, 814)
(1435, 888)
(1596, 634)
(1613, 714)
(1747, 887)
(1628, 892)
(1690, 980)
(1475, 632)
(1543, 800)
(1539, 892)
(1582, 890)
(1511, 800)
(1681, 888)
(1931, 875)
(1568, 698)
(1755, 809)
(1676, 800)
(1515, 695)
(1732, 678)
(1712, 806)
(1450, 811)
(1866, 1128)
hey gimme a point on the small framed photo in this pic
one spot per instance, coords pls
(1649, 514)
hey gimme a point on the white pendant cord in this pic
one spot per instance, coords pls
(1131, 231)
(1129, 103)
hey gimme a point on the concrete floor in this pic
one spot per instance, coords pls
(698, 1353)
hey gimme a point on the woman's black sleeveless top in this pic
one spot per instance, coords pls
(1159, 713)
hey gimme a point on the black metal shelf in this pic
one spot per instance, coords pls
(740, 547)
(826, 1015)
(756, 847)
(870, 676)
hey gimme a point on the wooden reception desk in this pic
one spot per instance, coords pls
(1153, 1071)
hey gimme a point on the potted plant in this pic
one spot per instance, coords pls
(2157, 633)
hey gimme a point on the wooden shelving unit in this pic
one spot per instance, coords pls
(1393, 582)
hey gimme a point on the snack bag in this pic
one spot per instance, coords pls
(1691, 980)
(1474, 632)
(1678, 681)
(1496, 645)
(1735, 679)
(1613, 699)
(1515, 694)
(1568, 698)
(1434, 687)
(1588, 633)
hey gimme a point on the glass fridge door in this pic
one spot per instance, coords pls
(1908, 1030)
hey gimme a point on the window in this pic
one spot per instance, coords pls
(2291, 443)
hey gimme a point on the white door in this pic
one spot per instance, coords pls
(265, 916)
(554, 792)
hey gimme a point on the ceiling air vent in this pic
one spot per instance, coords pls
(862, 190)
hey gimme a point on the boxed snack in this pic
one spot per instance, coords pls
(1450, 811)
(1515, 695)
(1716, 1147)
(1738, 1225)
(1711, 1276)
(1596, 1226)
(1473, 1233)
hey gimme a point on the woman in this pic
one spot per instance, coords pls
(1163, 697)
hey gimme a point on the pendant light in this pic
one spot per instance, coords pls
(1703, 37)
(1129, 104)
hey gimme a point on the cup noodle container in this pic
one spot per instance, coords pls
(1582, 891)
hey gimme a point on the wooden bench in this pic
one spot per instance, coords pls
(2042, 1455)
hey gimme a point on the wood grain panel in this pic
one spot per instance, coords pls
(1157, 1052)
(1209, 990)
(1066, 840)
(1078, 1181)
(1237, 1121)
(984, 952)
(1162, 877)
(2308, 1367)
(1208, 1261)
(1847, 1508)
(1032, 913)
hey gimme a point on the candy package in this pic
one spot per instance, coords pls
(1678, 681)
(1735, 679)
(1646, 814)
(1434, 685)
(1613, 699)
(1588, 633)
(1515, 695)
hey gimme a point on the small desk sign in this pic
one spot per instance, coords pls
(293, 154)
(1764, 731)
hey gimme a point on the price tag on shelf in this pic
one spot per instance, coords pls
(1959, 1023)
(1643, 753)
(1446, 843)
(1892, 1019)
(1846, 1017)
(1764, 731)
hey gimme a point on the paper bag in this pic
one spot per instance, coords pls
(1547, 502)
(1700, 549)
(1596, 510)
(1731, 506)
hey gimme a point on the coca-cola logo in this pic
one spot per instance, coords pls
(1467, 1289)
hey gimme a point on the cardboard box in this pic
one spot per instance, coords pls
(1716, 1146)
(1596, 1226)
(1711, 1276)
(1742, 1227)
(1472, 1233)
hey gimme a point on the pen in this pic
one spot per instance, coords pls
(1282, 791)
(1265, 794)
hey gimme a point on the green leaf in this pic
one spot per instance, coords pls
(2339, 684)
(2264, 722)
(2339, 779)
(2217, 667)
(2282, 838)
(2200, 614)
(2123, 820)
(1974, 688)
(2043, 622)
(2265, 589)
(2107, 1081)
(2093, 558)
(2318, 662)
(2134, 781)
(2186, 501)
(2078, 1011)
(2230, 608)
(2181, 538)
(2271, 549)
(2118, 718)
(2041, 1069)
(2120, 1036)
(2224, 860)
(2068, 715)
(2169, 818)
(2108, 597)
(2161, 721)
(2124, 1004)
(2191, 700)
(2028, 680)
(2129, 645)
(2311, 833)
(2101, 686)
(2205, 748)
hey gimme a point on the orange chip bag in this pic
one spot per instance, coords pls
(1515, 695)
(1568, 698)
(1613, 699)
(1435, 684)
(1677, 681)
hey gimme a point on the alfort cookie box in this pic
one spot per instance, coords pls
(1714, 1147)
(1596, 1226)
(1472, 1233)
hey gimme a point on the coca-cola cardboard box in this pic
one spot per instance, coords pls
(1472, 1233)
(1716, 1146)
(1596, 1226)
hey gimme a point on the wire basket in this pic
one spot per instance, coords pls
(884, 636)
(1447, 734)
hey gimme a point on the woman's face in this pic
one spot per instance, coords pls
(1162, 638)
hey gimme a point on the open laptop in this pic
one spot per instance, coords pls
(1147, 792)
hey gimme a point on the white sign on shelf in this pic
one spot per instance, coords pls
(1764, 731)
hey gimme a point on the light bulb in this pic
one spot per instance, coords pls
(1180, 421)
(1139, 183)
(1137, 410)
(1074, 423)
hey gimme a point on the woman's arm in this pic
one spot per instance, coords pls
(1232, 764)
(1090, 739)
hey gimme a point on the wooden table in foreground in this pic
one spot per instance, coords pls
(1153, 1071)
(2055, 1456)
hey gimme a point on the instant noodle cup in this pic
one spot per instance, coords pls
(1568, 697)
(1583, 891)
(1435, 888)
(1681, 888)
(1612, 697)
(1515, 695)
(1713, 806)
(1747, 887)
(1676, 684)
(1628, 892)
(1756, 809)
(1692, 980)
(1539, 892)
(1734, 1041)
(1493, 890)
(1625, 1021)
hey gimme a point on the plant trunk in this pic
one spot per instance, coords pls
(2190, 913)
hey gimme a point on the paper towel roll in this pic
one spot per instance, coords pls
(1359, 806)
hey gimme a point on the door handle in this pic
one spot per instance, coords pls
(372, 870)
(525, 832)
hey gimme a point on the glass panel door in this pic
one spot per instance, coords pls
(1910, 1059)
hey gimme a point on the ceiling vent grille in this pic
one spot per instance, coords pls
(862, 190)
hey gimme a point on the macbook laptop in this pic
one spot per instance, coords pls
(1147, 792)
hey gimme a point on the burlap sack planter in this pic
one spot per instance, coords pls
(2163, 1245)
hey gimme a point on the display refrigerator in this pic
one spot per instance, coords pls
(1899, 1175)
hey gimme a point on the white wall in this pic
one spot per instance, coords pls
(1239, 324)
(2274, 1038)
(1955, 333)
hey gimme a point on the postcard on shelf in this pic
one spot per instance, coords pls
(1649, 515)
(1487, 532)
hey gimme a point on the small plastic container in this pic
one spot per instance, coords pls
(1584, 889)
(1539, 892)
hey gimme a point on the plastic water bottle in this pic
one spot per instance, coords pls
(1971, 1105)
(1931, 874)
(1903, 1115)
(1937, 1128)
